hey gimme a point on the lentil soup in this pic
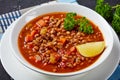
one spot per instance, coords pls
(46, 44)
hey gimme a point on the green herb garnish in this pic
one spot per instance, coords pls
(83, 23)
(116, 19)
(69, 21)
(104, 9)
(84, 26)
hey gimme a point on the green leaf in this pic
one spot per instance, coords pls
(100, 1)
(83, 23)
(69, 21)
(104, 9)
(84, 26)
(116, 20)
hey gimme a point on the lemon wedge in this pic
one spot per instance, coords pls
(91, 49)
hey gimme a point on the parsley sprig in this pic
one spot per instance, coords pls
(116, 20)
(84, 26)
(104, 9)
(69, 21)
(83, 23)
(107, 11)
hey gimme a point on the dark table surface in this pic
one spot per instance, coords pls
(12, 5)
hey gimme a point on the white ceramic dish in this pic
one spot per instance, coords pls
(19, 72)
(61, 7)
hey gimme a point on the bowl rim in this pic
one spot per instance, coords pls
(51, 73)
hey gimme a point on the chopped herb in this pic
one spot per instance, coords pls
(69, 21)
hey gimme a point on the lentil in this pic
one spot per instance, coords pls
(51, 47)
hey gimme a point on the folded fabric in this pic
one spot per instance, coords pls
(7, 19)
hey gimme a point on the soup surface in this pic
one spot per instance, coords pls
(46, 44)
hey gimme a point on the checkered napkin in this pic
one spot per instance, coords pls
(7, 18)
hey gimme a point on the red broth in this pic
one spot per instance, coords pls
(45, 44)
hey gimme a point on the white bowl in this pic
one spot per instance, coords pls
(62, 7)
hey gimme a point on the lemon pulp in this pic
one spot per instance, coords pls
(91, 49)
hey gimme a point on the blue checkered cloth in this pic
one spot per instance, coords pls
(8, 18)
